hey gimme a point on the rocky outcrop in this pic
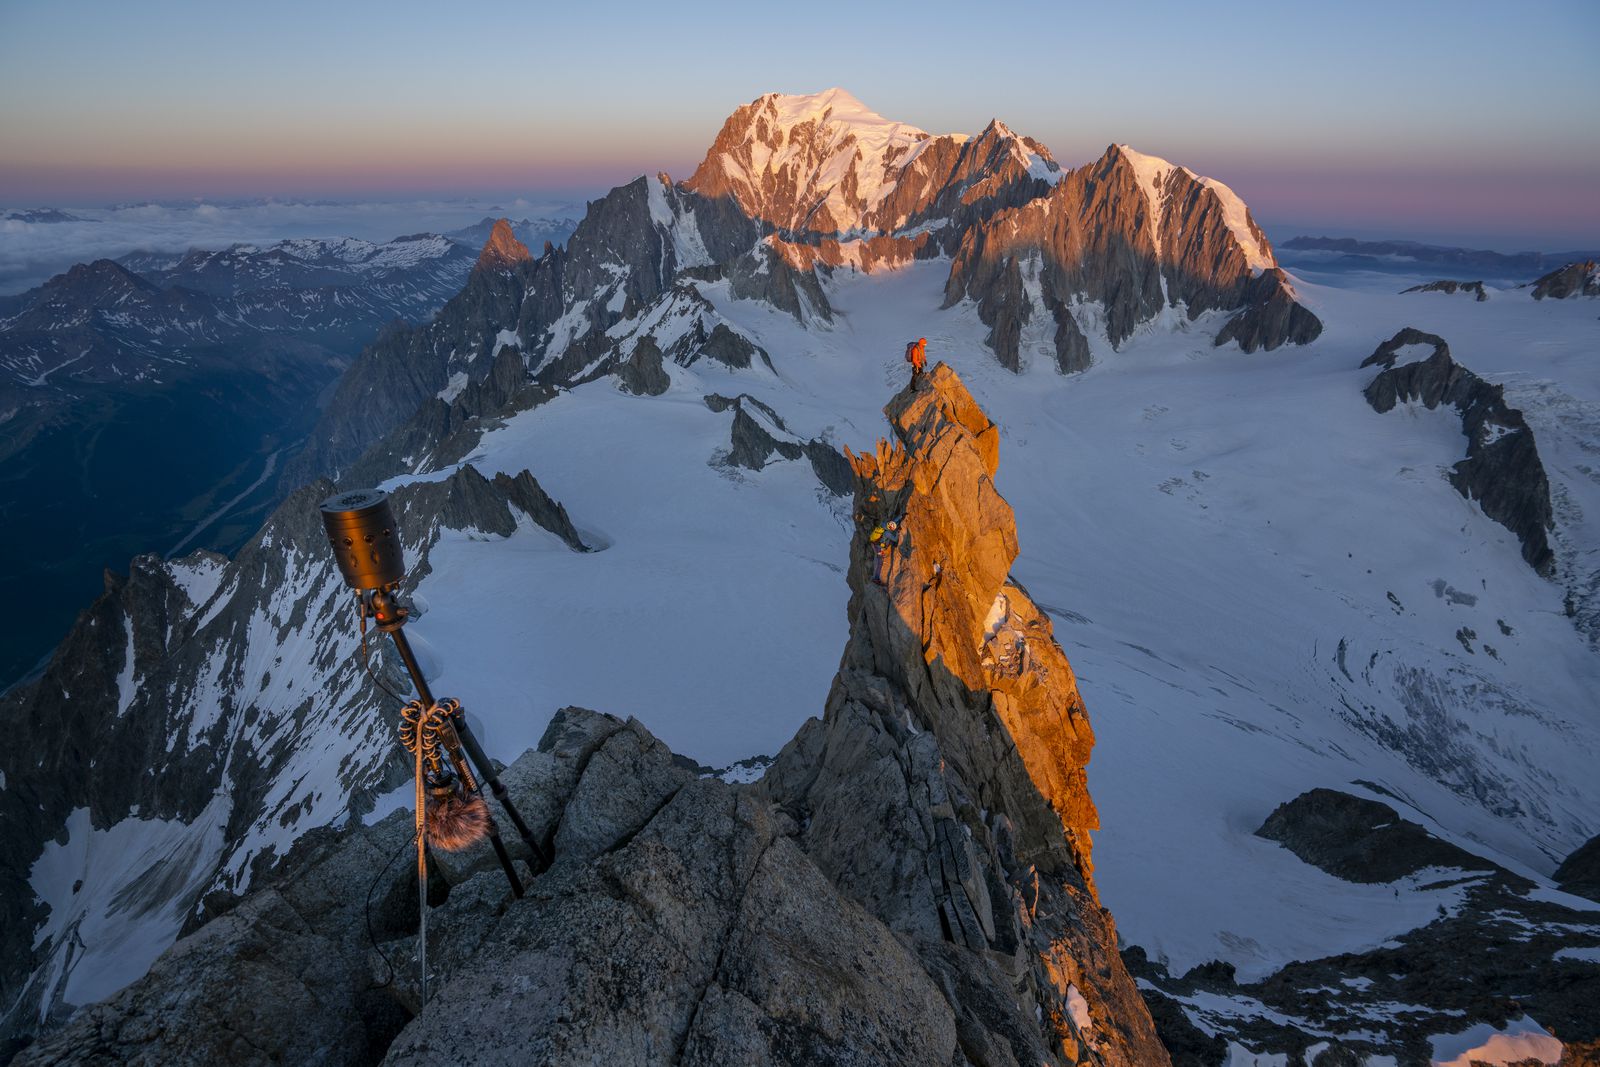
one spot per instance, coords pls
(758, 437)
(909, 885)
(284, 977)
(526, 494)
(642, 373)
(1502, 471)
(1271, 317)
(1447, 286)
(1580, 872)
(758, 433)
(1360, 840)
(1574, 279)
(1499, 949)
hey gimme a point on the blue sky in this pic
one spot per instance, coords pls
(1416, 119)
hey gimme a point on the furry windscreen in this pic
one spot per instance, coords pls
(456, 821)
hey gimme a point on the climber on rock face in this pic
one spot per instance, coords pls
(884, 539)
(917, 356)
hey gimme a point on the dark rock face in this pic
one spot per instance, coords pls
(1574, 279)
(441, 433)
(1502, 471)
(1271, 318)
(731, 349)
(1072, 347)
(1446, 286)
(641, 373)
(1360, 840)
(766, 275)
(828, 915)
(525, 492)
(830, 466)
(405, 367)
(1580, 872)
(757, 439)
(1527, 955)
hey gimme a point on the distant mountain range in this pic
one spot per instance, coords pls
(1406, 256)
(43, 216)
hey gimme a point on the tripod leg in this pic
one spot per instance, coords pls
(452, 741)
(458, 760)
(487, 772)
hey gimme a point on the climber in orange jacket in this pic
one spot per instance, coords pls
(917, 356)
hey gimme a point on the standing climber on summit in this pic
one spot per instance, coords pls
(917, 356)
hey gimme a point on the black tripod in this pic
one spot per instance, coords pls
(460, 743)
(367, 547)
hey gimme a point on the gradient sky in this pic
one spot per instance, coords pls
(1467, 121)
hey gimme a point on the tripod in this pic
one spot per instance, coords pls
(363, 534)
(456, 736)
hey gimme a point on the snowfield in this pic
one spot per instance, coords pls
(1259, 580)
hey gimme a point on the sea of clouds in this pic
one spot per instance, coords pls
(31, 252)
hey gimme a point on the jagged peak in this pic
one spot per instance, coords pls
(998, 128)
(1152, 172)
(101, 269)
(795, 160)
(502, 250)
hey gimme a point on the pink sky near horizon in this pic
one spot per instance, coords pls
(1375, 117)
(1559, 209)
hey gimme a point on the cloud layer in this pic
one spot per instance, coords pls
(31, 252)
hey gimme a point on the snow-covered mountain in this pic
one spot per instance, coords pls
(126, 320)
(1264, 585)
(826, 166)
(412, 272)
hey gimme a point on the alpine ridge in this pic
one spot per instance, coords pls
(910, 885)
(794, 188)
